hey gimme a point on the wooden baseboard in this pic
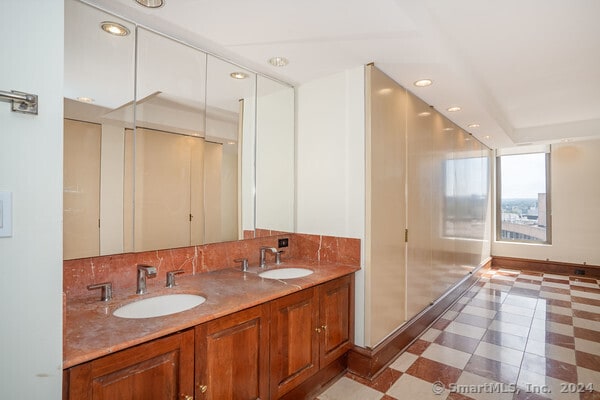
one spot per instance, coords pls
(314, 385)
(547, 266)
(367, 363)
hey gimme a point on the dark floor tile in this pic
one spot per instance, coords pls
(382, 382)
(586, 289)
(457, 396)
(586, 315)
(587, 360)
(555, 280)
(531, 281)
(587, 334)
(492, 369)
(441, 324)
(549, 367)
(558, 339)
(433, 371)
(457, 342)
(558, 303)
(505, 340)
(531, 273)
(418, 347)
(473, 320)
(585, 300)
(592, 395)
(575, 279)
(562, 319)
(551, 289)
(388, 397)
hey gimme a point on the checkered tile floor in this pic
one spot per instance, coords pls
(514, 335)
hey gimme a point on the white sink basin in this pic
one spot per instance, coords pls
(159, 306)
(286, 273)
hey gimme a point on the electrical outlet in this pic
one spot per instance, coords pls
(283, 242)
(579, 272)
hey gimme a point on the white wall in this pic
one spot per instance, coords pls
(575, 199)
(331, 164)
(31, 38)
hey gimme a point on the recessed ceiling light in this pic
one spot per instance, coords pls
(230, 142)
(150, 3)
(238, 75)
(473, 126)
(278, 61)
(85, 99)
(423, 82)
(467, 139)
(114, 28)
(565, 140)
(424, 114)
(453, 109)
(487, 137)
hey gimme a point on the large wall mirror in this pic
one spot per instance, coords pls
(165, 145)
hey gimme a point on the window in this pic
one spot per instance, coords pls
(523, 202)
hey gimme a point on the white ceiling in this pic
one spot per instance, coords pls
(525, 70)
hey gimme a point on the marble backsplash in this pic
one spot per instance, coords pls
(120, 269)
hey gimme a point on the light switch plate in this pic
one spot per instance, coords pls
(5, 214)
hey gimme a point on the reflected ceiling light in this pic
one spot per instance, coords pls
(114, 28)
(150, 3)
(448, 129)
(424, 114)
(565, 140)
(473, 126)
(85, 99)
(278, 61)
(230, 142)
(385, 91)
(487, 137)
(453, 109)
(468, 139)
(238, 75)
(423, 82)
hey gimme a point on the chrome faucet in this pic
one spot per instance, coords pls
(143, 272)
(263, 251)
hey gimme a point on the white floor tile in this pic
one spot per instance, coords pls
(587, 376)
(404, 362)
(586, 307)
(507, 327)
(525, 285)
(574, 284)
(465, 330)
(587, 346)
(555, 296)
(557, 285)
(503, 354)
(430, 334)
(587, 324)
(554, 352)
(549, 387)
(450, 315)
(509, 308)
(409, 387)
(446, 355)
(480, 388)
(553, 276)
(543, 308)
(497, 296)
(480, 312)
(347, 389)
(551, 326)
(587, 295)
(520, 301)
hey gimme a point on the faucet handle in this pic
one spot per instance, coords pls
(149, 269)
(244, 262)
(278, 257)
(106, 287)
(171, 277)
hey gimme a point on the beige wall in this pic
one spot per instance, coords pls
(575, 203)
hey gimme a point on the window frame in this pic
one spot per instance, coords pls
(499, 237)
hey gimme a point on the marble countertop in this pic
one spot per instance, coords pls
(91, 331)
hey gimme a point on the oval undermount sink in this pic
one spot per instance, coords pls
(159, 306)
(286, 273)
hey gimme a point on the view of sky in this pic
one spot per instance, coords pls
(523, 176)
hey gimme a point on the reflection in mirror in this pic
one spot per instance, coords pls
(229, 162)
(98, 80)
(275, 156)
(169, 143)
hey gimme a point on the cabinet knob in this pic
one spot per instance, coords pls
(324, 327)
(187, 397)
(203, 388)
(318, 330)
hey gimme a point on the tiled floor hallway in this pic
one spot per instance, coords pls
(514, 335)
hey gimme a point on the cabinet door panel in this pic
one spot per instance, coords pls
(336, 322)
(232, 356)
(294, 340)
(159, 370)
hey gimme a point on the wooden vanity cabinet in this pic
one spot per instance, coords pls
(232, 356)
(309, 330)
(159, 370)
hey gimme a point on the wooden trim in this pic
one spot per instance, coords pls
(367, 363)
(547, 266)
(314, 385)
